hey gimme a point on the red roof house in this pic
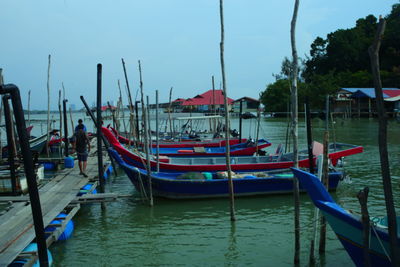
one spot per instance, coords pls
(211, 97)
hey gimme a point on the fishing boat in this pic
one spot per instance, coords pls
(212, 164)
(218, 142)
(243, 149)
(347, 226)
(195, 185)
(37, 144)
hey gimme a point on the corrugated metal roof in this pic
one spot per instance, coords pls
(370, 92)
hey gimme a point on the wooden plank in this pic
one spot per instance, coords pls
(16, 229)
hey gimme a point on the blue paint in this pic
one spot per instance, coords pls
(31, 247)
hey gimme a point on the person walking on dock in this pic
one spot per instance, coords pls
(80, 126)
(82, 147)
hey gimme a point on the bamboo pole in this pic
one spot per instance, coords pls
(169, 112)
(227, 126)
(146, 136)
(148, 124)
(48, 105)
(295, 134)
(59, 110)
(157, 137)
(131, 114)
(384, 157)
(122, 105)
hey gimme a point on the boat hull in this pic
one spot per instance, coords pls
(169, 185)
(347, 227)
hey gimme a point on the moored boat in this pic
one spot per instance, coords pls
(194, 185)
(206, 164)
(347, 226)
(219, 142)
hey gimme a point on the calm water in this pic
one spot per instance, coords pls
(199, 233)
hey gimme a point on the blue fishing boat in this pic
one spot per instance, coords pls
(191, 185)
(348, 227)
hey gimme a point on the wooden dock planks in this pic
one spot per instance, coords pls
(16, 226)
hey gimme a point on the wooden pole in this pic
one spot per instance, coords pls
(10, 141)
(240, 120)
(48, 106)
(383, 152)
(29, 107)
(227, 125)
(169, 113)
(61, 121)
(148, 124)
(1, 115)
(131, 114)
(72, 121)
(295, 134)
(363, 198)
(157, 137)
(146, 135)
(122, 105)
(99, 134)
(325, 176)
(65, 127)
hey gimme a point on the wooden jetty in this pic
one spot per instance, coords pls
(59, 194)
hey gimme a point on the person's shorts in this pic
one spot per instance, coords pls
(82, 156)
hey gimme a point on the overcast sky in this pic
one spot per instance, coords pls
(177, 42)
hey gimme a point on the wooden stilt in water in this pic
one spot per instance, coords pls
(99, 124)
(311, 169)
(227, 122)
(65, 127)
(157, 137)
(48, 106)
(61, 114)
(295, 134)
(384, 157)
(169, 113)
(325, 177)
(363, 198)
(146, 135)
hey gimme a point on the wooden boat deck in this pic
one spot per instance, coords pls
(16, 225)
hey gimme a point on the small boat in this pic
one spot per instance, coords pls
(347, 226)
(37, 144)
(243, 149)
(219, 142)
(243, 163)
(195, 185)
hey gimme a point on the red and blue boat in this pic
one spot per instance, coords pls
(182, 144)
(238, 164)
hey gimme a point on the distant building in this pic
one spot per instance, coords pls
(362, 100)
(206, 102)
(248, 104)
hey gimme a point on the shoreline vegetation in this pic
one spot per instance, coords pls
(340, 60)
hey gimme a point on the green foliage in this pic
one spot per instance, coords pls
(339, 61)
